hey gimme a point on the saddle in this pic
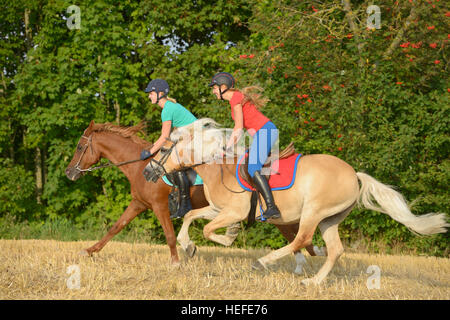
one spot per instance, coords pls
(285, 153)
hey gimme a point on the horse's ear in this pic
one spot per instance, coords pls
(90, 128)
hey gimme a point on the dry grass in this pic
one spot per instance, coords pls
(36, 269)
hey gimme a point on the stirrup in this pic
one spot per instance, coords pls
(274, 213)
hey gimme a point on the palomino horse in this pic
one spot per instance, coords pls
(120, 145)
(325, 191)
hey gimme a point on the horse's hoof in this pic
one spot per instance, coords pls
(320, 251)
(191, 250)
(257, 265)
(175, 265)
(298, 270)
(308, 282)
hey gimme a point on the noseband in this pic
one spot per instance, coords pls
(85, 147)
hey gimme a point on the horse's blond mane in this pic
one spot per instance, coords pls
(202, 124)
(212, 135)
(126, 132)
(214, 139)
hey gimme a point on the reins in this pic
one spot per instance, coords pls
(109, 164)
(221, 177)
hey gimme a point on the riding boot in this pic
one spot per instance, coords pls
(262, 186)
(184, 206)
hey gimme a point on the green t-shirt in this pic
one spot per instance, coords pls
(176, 113)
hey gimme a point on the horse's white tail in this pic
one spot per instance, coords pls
(392, 203)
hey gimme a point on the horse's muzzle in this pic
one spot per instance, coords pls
(152, 173)
(72, 173)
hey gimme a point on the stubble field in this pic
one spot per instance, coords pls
(47, 269)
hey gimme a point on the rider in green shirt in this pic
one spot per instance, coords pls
(173, 115)
(177, 114)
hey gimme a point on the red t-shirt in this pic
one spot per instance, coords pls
(253, 118)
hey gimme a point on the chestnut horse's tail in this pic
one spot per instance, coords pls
(392, 203)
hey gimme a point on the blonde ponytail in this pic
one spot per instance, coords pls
(252, 95)
(171, 99)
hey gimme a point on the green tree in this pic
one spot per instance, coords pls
(69, 76)
(378, 98)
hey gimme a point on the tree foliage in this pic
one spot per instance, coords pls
(376, 98)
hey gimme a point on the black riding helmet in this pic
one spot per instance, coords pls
(158, 85)
(223, 78)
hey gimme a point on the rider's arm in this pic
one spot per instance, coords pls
(165, 133)
(238, 125)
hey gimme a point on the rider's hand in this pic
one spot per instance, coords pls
(145, 154)
(226, 151)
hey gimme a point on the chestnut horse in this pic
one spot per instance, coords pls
(324, 192)
(120, 145)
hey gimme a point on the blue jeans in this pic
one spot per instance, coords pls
(263, 140)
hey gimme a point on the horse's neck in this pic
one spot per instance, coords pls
(211, 174)
(118, 149)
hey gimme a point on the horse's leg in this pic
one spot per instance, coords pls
(329, 229)
(183, 235)
(316, 251)
(161, 210)
(308, 224)
(289, 232)
(233, 231)
(135, 207)
(312, 249)
(223, 220)
(335, 249)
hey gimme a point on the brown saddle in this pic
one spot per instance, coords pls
(285, 153)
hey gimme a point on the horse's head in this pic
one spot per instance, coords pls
(200, 142)
(85, 155)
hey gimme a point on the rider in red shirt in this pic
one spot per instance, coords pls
(252, 117)
(245, 113)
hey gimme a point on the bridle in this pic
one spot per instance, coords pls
(109, 164)
(166, 154)
(85, 147)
